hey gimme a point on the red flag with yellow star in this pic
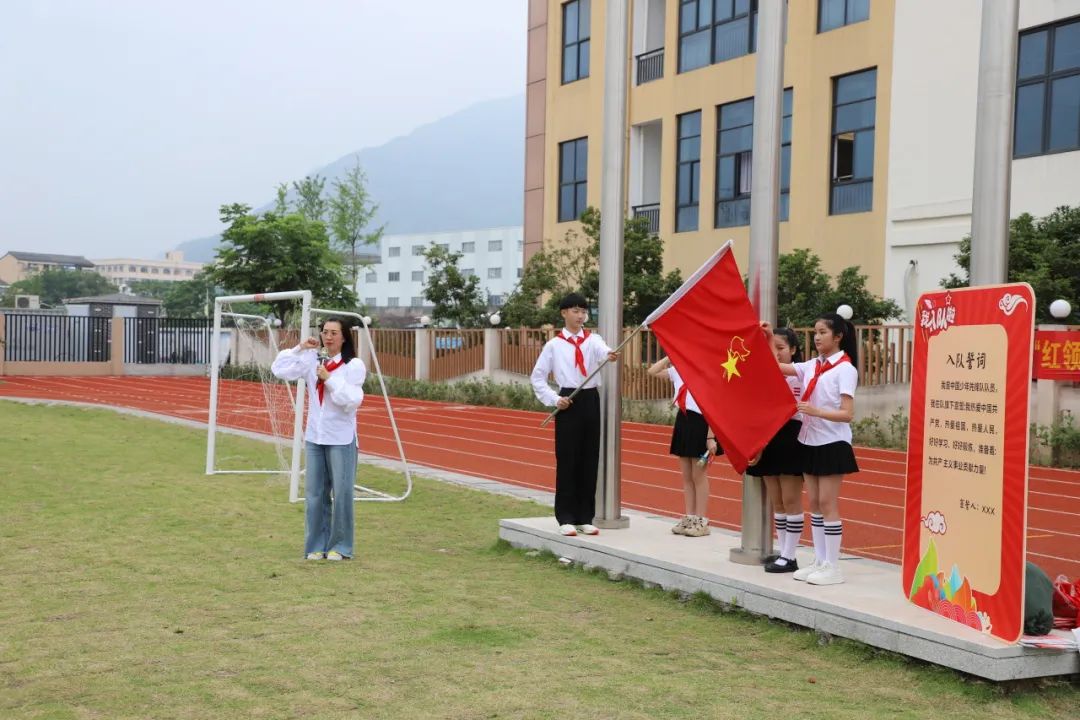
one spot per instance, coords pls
(714, 339)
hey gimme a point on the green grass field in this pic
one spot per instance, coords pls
(133, 586)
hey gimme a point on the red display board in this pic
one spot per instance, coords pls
(1057, 355)
(965, 517)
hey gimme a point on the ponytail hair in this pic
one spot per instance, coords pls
(848, 341)
(792, 340)
(348, 349)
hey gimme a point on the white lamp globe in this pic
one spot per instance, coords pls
(1060, 309)
(845, 311)
(425, 320)
(495, 319)
(366, 320)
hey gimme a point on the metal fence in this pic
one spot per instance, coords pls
(884, 352)
(57, 338)
(171, 341)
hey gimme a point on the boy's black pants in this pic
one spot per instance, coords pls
(577, 457)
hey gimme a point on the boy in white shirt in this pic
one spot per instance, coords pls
(571, 356)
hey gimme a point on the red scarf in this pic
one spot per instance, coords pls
(330, 367)
(822, 368)
(579, 357)
(680, 399)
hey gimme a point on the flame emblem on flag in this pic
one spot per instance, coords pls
(737, 352)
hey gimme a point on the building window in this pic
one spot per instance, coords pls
(712, 31)
(392, 302)
(371, 276)
(154, 271)
(573, 178)
(494, 273)
(445, 247)
(494, 245)
(854, 108)
(1048, 90)
(575, 21)
(370, 302)
(734, 155)
(688, 178)
(495, 300)
(418, 275)
(394, 252)
(417, 301)
(417, 249)
(834, 14)
(166, 271)
(519, 272)
(467, 272)
(468, 247)
(393, 277)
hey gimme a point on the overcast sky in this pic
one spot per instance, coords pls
(124, 124)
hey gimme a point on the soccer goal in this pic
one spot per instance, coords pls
(249, 400)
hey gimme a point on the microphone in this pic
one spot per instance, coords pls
(324, 355)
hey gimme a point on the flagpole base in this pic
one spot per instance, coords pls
(620, 523)
(756, 526)
(740, 556)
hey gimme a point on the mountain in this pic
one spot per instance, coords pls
(462, 172)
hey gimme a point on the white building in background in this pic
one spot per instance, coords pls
(125, 271)
(397, 279)
(932, 141)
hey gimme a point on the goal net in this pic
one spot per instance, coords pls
(246, 400)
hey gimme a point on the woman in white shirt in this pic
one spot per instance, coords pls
(335, 380)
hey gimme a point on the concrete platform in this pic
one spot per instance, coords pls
(869, 606)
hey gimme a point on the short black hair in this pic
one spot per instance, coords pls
(573, 300)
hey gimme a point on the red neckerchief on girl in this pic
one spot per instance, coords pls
(822, 368)
(579, 357)
(680, 399)
(330, 367)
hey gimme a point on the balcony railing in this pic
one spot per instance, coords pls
(650, 213)
(650, 66)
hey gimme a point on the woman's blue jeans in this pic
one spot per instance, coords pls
(328, 496)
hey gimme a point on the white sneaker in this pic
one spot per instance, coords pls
(588, 529)
(567, 530)
(829, 574)
(334, 555)
(680, 527)
(804, 573)
(315, 556)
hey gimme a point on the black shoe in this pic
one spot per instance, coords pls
(771, 558)
(788, 567)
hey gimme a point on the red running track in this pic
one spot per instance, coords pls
(509, 446)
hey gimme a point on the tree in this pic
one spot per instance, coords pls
(54, 285)
(457, 298)
(181, 299)
(804, 291)
(310, 202)
(1044, 252)
(273, 252)
(573, 266)
(351, 209)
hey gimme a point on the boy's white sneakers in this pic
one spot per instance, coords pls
(588, 529)
(567, 530)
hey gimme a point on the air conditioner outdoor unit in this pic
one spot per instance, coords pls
(27, 302)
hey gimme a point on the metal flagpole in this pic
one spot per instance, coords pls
(994, 142)
(764, 237)
(612, 210)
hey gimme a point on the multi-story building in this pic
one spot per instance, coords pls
(397, 280)
(125, 271)
(878, 130)
(17, 265)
